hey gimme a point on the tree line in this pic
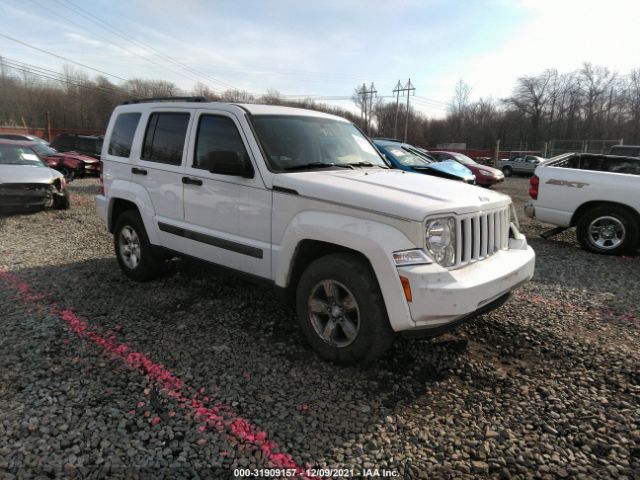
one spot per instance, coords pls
(590, 103)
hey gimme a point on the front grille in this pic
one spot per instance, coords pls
(481, 234)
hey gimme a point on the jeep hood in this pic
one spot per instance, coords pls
(27, 174)
(398, 193)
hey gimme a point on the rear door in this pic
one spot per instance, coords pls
(160, 167)
(227, 218)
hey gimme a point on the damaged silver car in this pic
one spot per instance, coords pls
(26, 183)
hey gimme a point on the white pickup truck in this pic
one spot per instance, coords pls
(304, 201)
(598, 194)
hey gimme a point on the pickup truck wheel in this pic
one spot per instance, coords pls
(508, 171)
(341, 310)
(608, 230)
(133, 250)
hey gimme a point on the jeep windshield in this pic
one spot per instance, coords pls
(299, 143)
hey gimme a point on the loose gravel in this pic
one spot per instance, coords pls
(547, 386)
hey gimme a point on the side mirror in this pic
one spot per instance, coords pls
(226, 162)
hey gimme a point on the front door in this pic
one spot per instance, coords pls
(227, 218)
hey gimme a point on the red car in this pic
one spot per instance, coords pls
(485, 175)
(70, 164)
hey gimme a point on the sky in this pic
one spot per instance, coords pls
(325, 49)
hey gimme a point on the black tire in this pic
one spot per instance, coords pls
(62, 202)
(626, 235)
(148, 266)
(374, 334)
(508, 171)
(68, 174)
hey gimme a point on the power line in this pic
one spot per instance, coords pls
(26, 70)
(127, 51)
(105, 25)
(60, 56)
(445, 104)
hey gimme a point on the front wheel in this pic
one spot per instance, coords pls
(608, 230)
(341, 310)
(62, 202)
(133, 249)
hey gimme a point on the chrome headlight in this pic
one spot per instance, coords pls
(440, 236)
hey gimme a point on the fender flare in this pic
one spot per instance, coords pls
(372, 239)
(138, 195)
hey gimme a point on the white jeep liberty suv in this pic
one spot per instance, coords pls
(303, 200)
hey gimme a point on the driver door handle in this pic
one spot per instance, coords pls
(191, 181)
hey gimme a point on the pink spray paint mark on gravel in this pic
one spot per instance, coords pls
(219, 417)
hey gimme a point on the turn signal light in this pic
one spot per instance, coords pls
(406, 286)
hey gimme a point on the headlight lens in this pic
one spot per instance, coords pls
(440, 242)
(411, 257)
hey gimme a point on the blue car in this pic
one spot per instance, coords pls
(407, 157)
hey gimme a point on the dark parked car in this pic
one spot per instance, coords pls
(87, 144)
(70, 164)
(22, 137)
(485, 176)
(26, 183)
(625, 150)
(407, 157)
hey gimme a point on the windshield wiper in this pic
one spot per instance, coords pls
(318, 165)
(366, 164)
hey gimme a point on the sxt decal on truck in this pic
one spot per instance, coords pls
(566, 183)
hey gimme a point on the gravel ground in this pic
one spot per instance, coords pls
(199, 372)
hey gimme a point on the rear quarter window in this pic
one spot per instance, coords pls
(123, 133)
(624, 150)
(164, 138)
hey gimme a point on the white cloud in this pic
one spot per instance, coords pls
(562, 35)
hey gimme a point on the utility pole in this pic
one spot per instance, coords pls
(366, 104)
(48, 127)
(363, 105)
(396, 90)
(372, 91)
(408, 88)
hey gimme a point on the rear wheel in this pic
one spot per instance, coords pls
(133, 249)
(341, 310)
(609, 230)
(508, 171)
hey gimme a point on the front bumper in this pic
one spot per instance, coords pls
(443, 297)
(489, 180)
(25, 196)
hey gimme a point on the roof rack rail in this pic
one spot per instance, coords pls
(166, 99)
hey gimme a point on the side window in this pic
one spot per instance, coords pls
(217, 133)
(122, 135)
(164, 138)
(624, 166)
(85, 145)
(65, 142)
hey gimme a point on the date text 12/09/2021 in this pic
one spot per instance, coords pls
(315, 472)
